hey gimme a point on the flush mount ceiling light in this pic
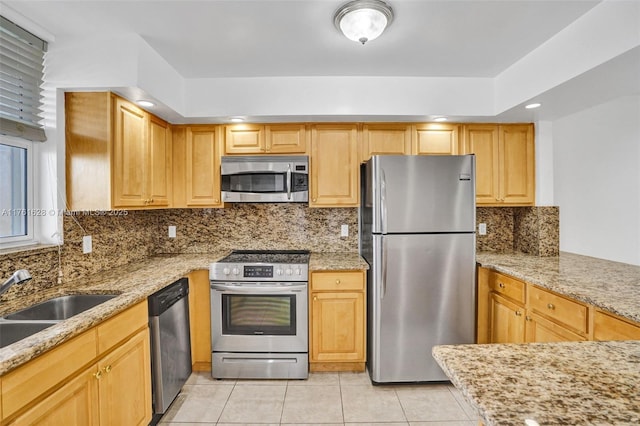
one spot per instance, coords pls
(363, 20)
(236, 119)
(440, 119)
(534, 105)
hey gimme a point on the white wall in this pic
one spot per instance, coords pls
(597, 180)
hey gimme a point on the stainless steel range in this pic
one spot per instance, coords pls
(259, 315)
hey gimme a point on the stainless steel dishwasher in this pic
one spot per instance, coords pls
(170, 343)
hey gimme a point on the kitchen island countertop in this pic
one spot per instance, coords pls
(548, 383)
(132, 283)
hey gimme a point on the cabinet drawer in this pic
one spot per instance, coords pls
(609, 327)
(507, 286)
(558, 308)
(28, 382)
(337, 281)
(118, 328)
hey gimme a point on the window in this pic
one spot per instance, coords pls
(16, 218)
(21, 70)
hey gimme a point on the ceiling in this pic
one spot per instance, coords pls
(297, 38)
(251, 38)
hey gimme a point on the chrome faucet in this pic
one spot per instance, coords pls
(18, 277)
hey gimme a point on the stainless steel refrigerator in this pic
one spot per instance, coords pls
(417, 232)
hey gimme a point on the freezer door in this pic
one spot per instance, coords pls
(417, 193)
(421, 293)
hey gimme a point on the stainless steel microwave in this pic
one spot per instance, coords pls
(265, 179)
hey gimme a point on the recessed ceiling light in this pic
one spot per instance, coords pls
(236, 119)
(440, 119)
(534, 105)
(145, 103)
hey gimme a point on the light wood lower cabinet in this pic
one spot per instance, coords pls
(200, 320)
(84, 383)
(512, 311)
(337, 326)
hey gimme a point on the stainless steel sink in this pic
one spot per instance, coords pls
(12, 331)
(60, 308)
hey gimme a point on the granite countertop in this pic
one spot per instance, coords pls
(611, 286)
(132, 283)
(549, 383)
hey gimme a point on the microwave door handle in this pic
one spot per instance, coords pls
(289, 183)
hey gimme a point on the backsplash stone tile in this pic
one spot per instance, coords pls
(257, 226)
(537, 230)
(121, 239)
(499, 237)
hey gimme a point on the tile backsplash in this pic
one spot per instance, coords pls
(119, 239)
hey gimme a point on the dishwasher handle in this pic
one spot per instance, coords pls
(162, 300)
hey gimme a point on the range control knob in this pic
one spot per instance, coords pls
(235, 271)
(279, 271)
(288, 272)
(226, 271)
(297, 271)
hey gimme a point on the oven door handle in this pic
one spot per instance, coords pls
(289, 183)
(248, 288)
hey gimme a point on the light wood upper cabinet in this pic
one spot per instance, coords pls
(337, 321)
(505, 162)
(117, 155)
(435, 139)
(196, 166)
(335, 166)
(385, 138)
(265, 139)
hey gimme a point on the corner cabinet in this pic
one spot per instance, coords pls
(196, 166)
(265, 139)
(337, 325)
(505, 162)
(334, 165)
(101, 377)
(117, 155)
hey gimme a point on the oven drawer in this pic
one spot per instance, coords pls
(229, 365)
(333, 281)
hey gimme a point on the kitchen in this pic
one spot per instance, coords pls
(604, 225)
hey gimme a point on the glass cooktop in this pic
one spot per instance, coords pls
(267, 256)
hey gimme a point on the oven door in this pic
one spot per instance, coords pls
(259, 317)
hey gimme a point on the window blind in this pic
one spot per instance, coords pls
(21, 70)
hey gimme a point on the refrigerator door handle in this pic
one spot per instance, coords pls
(383, 202)
(383, 283)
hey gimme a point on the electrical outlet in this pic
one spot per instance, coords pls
(344, 230)
(87, 244)
(172, 231)
(482, 228)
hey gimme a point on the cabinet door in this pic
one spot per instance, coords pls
(507, 321)
(202, 168)
(482, 140)
(335, 168)
(337, 327)
(74, 404)
(517, 164)
(244, 139)
(159, 169)
(200, 320)
(541, 330)
(130, 155)
(125, 383)
(379, 139)
(286, 139)
(435, 139)
(608, 327)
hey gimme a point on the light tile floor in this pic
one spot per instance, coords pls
(325, 398)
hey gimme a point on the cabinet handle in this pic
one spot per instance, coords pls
(315, 298)
(338, 282)
(314, 199)
(151, 200)
(501, 285)
(551, 306)
(518, 313)
(215, 200)
(527, 318)
(107, 369)
(97, 374)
